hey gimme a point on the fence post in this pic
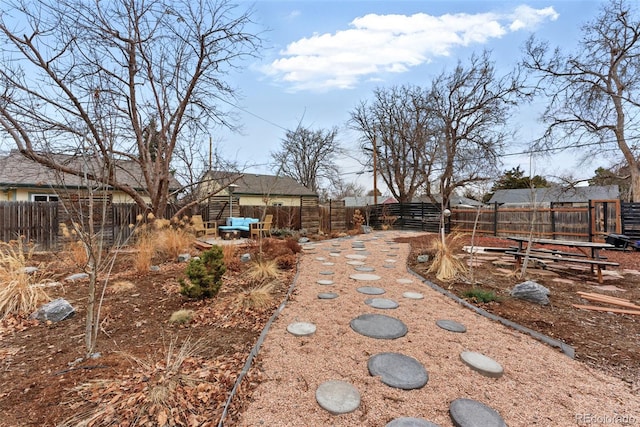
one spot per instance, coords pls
(330, 216)
(495, 218)
(552, 212)
(590, 220)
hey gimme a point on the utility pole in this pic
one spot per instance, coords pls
(375, 171)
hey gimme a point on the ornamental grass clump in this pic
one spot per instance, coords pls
(445, 263)
(204, 275)
(20, 291)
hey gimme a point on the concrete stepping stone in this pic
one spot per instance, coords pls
(370, 290)
(451, 325)
(365, 268)
(355, 263)
(365, 277)
(360, 249)
(389, 266)
(301, 329)
(385, 250)
(320, 258)
(334, 254)
(328, 263)
(410, 422)
(413, 295)
(471, 413)
(356, 256)
(326, 273)
(482, 364)
(391, 260)
(324, 282)
(397, 370)
(337, 397)
(392, 254)
(381, 303)
(404, 281)
(327, 295)
(379, 326)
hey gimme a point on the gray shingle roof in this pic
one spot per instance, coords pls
(257, 184)
(555, 194)
(18, 171)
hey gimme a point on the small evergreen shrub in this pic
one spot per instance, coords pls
(204, 275)
(481, 295)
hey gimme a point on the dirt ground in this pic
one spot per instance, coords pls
(43, 383)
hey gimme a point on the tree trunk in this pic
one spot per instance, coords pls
(635, 181)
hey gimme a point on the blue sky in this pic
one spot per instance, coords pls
(322, 58)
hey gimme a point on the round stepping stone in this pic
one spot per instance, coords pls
(391, 260)
(471, 413)
(365, 268)
(320, 258)
(370, 290)
(378, 326)
(404, 281)
(301, 329)
(360, 249)
(392, 255)
(327, 295)
(325, 282)
(482, 364)
(389, 266)
(356, 256)
(335, 244)
(326, 273)
(385, 250)
(334, 254)
(397, 370)
(365, 277)
(410, 422)
(413, 295)
(451, 325)
(328, 263)
(381, 303)
(355, 262)
(337, 397)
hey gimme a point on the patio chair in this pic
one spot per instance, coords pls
(262, 228)
(206, 228)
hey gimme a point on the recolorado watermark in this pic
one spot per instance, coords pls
(625, 420)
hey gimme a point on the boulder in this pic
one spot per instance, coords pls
(531, 291)
(54, 311)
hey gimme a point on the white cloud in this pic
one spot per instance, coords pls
(377, 44)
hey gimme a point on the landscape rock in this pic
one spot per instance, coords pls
(245, 257)
(531, 291)
(154, 268)
(303, 240)
(423, 258)
(184, 257)
(54, 311)
(77, 276)
(30, 270)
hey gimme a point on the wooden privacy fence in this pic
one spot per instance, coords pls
(35, 221)
(593, 220)
(400, 216)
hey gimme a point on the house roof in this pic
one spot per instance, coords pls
(454, 200)
(17, 170)
(555, 195)
(257, 184)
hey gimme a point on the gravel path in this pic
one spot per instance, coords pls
(539, 386)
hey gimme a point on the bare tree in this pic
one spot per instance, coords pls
(396, 124)
(124, 79)
(593, 93)
(468, 110)
(308, 156)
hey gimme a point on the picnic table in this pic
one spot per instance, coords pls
(588, 253)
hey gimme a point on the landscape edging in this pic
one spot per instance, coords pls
(568, 350)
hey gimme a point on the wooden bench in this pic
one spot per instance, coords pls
(533, 255)
(552, 252)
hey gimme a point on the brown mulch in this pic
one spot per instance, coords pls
(43, 383)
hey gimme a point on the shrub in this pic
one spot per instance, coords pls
(287, 262)
(480, 295)
(204, 274)
(259, 297)
(293, 245)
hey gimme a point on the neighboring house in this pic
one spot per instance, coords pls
(22, 179)
(576, 196)
(357, 201)
(250, 189)
(454, 201)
